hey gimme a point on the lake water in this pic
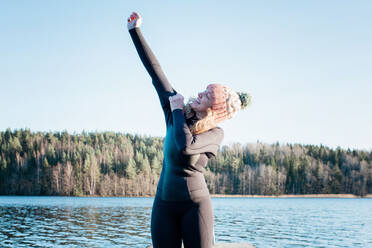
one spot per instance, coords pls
(125, 222)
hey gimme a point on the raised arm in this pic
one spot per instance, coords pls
(159, 80)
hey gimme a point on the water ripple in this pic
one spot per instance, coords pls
(125, 222)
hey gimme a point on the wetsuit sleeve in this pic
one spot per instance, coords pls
(189, 144)
(159, 80)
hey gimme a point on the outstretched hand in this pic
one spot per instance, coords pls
(134, 21)
(176, 102)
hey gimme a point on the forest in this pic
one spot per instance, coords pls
(117, 164)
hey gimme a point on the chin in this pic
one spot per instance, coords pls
(195, 107)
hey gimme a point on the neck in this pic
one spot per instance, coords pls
(192, 114)
(200, 115)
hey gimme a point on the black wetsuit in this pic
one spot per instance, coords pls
(182, 207)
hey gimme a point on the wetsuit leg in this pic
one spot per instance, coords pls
(165, 225)
(197, 225)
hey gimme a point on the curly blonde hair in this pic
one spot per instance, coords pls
(232, 103)
(197, 126)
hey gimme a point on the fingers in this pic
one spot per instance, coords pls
(177, 97)
(176, 102)
(134, 16)
(134, 21)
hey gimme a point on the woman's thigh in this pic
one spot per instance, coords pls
(197, 225)
(165, 226)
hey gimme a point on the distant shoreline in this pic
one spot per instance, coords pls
(349, 196)
(294, 196)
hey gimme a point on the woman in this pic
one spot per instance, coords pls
(182, 209)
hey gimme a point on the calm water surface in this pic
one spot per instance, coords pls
(125, 222)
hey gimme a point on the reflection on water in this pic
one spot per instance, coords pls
(125, 222)
(291, 222)
(88, 223)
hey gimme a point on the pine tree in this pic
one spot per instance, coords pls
(130, 169)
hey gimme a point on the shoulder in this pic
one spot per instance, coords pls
(217, 130)
(218, 134)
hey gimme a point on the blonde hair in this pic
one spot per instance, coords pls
(199, 126)
(233, 102)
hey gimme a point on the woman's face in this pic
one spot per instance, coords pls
(202, 102)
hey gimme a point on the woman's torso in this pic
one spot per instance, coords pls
(182, 175)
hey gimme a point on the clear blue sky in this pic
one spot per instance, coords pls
(70, 65)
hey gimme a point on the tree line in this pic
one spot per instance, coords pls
(117, 164)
